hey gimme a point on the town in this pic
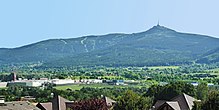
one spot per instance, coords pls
(41, 92)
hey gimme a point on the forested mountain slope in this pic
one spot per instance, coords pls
(156, 46)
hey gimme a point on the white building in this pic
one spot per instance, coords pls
(30, 83)
(62, 81)
(3, 84)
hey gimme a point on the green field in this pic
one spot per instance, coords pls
(215, 71)
(3, 88)
(79, 86)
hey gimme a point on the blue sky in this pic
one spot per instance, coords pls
(27, 21)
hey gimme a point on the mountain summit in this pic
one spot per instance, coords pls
(156, 46)
(160, 28)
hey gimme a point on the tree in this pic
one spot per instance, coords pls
(145, 103)
(197, 105)
(202, 91)
(212, 102)
(153, 91)
(169, 91)
(132, 101)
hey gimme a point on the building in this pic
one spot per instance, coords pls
(28, 98)
(180, 102)
(114, 82)
(60, 103)
(3, 84)
(44, 106)
(30, 83)
(16, 105)
(57, 103)
(57, 82)
(194, 83)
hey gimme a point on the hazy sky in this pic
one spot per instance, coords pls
(27, 21)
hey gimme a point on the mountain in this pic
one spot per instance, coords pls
(50, 50)
(211, 56)
(156, 46)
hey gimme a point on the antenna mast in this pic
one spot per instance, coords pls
(158, 23)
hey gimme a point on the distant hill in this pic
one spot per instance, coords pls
(54, 49)
(210, 57)
(156, 46)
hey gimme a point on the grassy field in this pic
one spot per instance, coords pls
(163, 67)
(215, 72)
(79, 86)
(3, 88)
(73, 87)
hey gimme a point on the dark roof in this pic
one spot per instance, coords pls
(185, 101)
(18, 105)
(180, 102)
(45, 106)
(159, 103)
(58, 103)
(92, 104)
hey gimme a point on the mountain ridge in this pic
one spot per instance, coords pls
(154, 27)
(158, 46)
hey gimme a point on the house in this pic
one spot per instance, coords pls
(180, 102)
(16, 105)
(44, 106)
(57, 103)
(169, 105)
(28, 98)
(60, 103)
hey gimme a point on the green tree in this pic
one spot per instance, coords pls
(171, 90)
(202, 91)
(145, 103)
(212, 102)
(132, 101)
(197, 105)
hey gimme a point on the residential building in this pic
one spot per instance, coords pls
(57, 103)
(60, 103)
(180, 102)
(16, 105)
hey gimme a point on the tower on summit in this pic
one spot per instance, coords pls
(158, 23)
